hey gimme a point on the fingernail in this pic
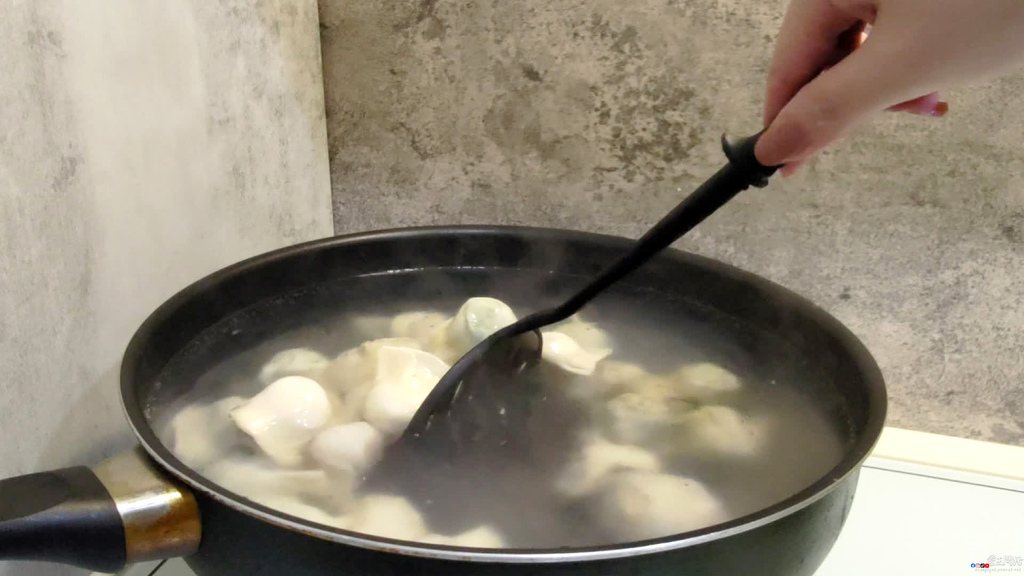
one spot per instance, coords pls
(939, 110)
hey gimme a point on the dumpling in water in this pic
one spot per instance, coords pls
(356, 367)
(352, 448)
(638, 505)
(202, 433)
(405, 377)
(567, 354)
(706, 382)
(419, 326)
(637, 419)
(387, 516)
(263, 483)
(294, 362)
(480, 537)
(586, 334)
(477, 319)
(284, 417)
(597, 459)
(352, 374)
(721, 431)
(299, 509)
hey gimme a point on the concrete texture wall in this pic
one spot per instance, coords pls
(143, 144)
(602, 114)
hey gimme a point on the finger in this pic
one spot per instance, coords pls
(834, 102)
(813, 33)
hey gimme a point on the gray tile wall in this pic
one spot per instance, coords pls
(602, 114)
(143, 144)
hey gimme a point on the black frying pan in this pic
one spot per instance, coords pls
(146, 504)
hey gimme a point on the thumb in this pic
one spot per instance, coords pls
(865, 82)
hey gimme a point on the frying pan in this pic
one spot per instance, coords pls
(146, 504)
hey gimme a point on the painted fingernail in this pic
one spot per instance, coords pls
(939, 110)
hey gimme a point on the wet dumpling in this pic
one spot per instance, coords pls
(405, 377)
(586, 334)
(294, 362)
(419, 326)
(480, 537)
(357, 366)
(353, 447)
(263, 483)
(706, 382)
(352, 374)
(596, 460)
(568, 355)
(202, 433)
(284, 417)
(477, 319)
(634, 418)
(299, 509)
(387, 516)
(637, 505)
(720, 430)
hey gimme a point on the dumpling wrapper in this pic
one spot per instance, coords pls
(293, 362)
(477, 319)
(568, 355)
(405, 377)
(634, 418)
(305, 511)
(262, 483)
(357, 367)
(284, 417)
(480, 537)
(419, 326)
(201, 434)
(586, 334)
(706, 382)
(352, 448)
(387, 516)
(720, 430)
(597, 459)
(639, 505)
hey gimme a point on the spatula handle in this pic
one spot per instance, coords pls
(742, 172)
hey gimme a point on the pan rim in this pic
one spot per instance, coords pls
(847, 466)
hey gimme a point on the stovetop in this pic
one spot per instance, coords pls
(908, 518)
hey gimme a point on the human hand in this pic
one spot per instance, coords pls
(827, 76)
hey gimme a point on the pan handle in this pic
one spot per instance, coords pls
(122, 512)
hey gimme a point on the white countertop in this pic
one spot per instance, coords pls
(926, 505)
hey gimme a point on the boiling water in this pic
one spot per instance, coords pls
(513, 494)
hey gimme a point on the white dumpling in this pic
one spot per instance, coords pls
(615, 374)
(477, 319)
(720, 430)
(202, 433)
(639, 505)
(388, 517)
(305, 511)
(706, 382)
(419, 326)
(568, 355)
(294, 362)
(263, 483)
(405, 377)
(587, 334)
(634, 418)
(355, 368)
(370, 327)
(480, 537)
(596, 460)
(353, 447)
(284, 417)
